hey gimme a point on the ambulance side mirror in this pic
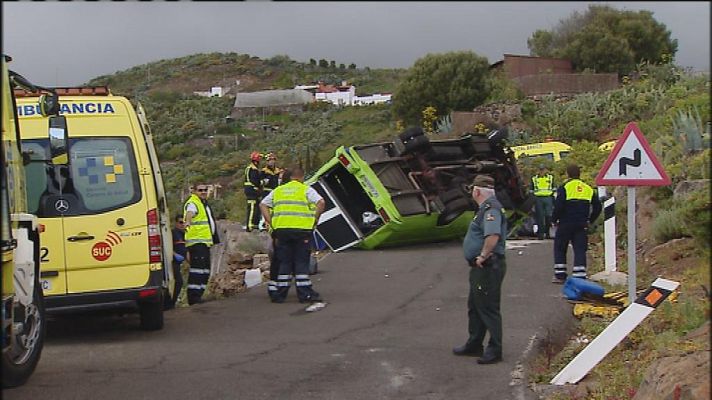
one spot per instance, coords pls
(58, 139)
(49, 104)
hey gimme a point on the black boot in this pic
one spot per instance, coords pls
(490, 357)
(465, 350)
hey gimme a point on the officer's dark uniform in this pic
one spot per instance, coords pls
(483, 303)
(253, 193)
(575, 207)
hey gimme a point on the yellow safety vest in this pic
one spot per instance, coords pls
(291, 209)
(577, 189)
(543, 185)
(199, 230)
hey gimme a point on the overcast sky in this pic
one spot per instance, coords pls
(69, 43)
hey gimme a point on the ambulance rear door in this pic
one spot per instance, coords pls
(105, 228)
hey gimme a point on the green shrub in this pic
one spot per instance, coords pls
(668, 225)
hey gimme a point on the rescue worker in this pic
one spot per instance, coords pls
(543, 190)
(295, 208)
(284, 177)
(270, 178)
(179, 251)
(200, 232)
(270, 174)
(483, 247)
(253, 191)
(575, 208)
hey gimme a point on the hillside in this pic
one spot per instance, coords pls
(199, 72)
(195, 140)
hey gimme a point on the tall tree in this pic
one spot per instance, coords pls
(604, 39)
(453, 81)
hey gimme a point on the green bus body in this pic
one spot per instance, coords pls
(388, 181)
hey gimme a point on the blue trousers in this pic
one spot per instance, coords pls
(293, 252)
(577, 235)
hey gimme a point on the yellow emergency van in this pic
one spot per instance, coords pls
(607, 146)
(106, 240)
(552, 151)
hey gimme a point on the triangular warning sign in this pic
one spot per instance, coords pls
(632, 162)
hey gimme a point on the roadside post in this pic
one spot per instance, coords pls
(602, 344)
(609, 230)
(632, 163)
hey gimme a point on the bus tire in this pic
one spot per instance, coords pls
(410, 133)
(451, 195)
(151, 313)
(452, 211)
(417, 144)
(20, 361)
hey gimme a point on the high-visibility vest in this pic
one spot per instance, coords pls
(248, 182)
(577, 189)
(543, 185)
(291, 208)
(199, 230)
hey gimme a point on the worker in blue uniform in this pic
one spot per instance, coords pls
(575, 208)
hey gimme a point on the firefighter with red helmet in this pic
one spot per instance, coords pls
(253, 191)
(270, 174)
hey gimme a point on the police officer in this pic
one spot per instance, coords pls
(484, 246)
(253, 191)
(296, 208)
(543, 189)
(576, 206)
(200, 232)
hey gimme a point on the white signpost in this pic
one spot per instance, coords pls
(632, 163)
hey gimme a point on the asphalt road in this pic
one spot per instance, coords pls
(387, 332)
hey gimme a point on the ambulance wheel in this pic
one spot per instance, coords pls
(152, 314)
(27, 338)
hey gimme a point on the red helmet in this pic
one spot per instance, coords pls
(255, 156)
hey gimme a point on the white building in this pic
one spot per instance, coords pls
(344, 95)
(377, 98)
(215, 91)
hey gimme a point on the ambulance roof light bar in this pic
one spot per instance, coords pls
(69, 91)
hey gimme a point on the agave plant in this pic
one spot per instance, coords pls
(444, 125)
(688, 127)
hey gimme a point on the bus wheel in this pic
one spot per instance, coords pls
(452, 211)
(152, 314)
(27, 340)
(410, 133)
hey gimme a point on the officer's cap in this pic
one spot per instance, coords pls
(484, 181)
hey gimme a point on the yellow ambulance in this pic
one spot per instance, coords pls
(607, 146)
(552, 151)
(106, 242)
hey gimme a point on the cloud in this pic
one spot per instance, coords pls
(69, 43)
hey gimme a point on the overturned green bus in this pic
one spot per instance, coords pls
(412, 190)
